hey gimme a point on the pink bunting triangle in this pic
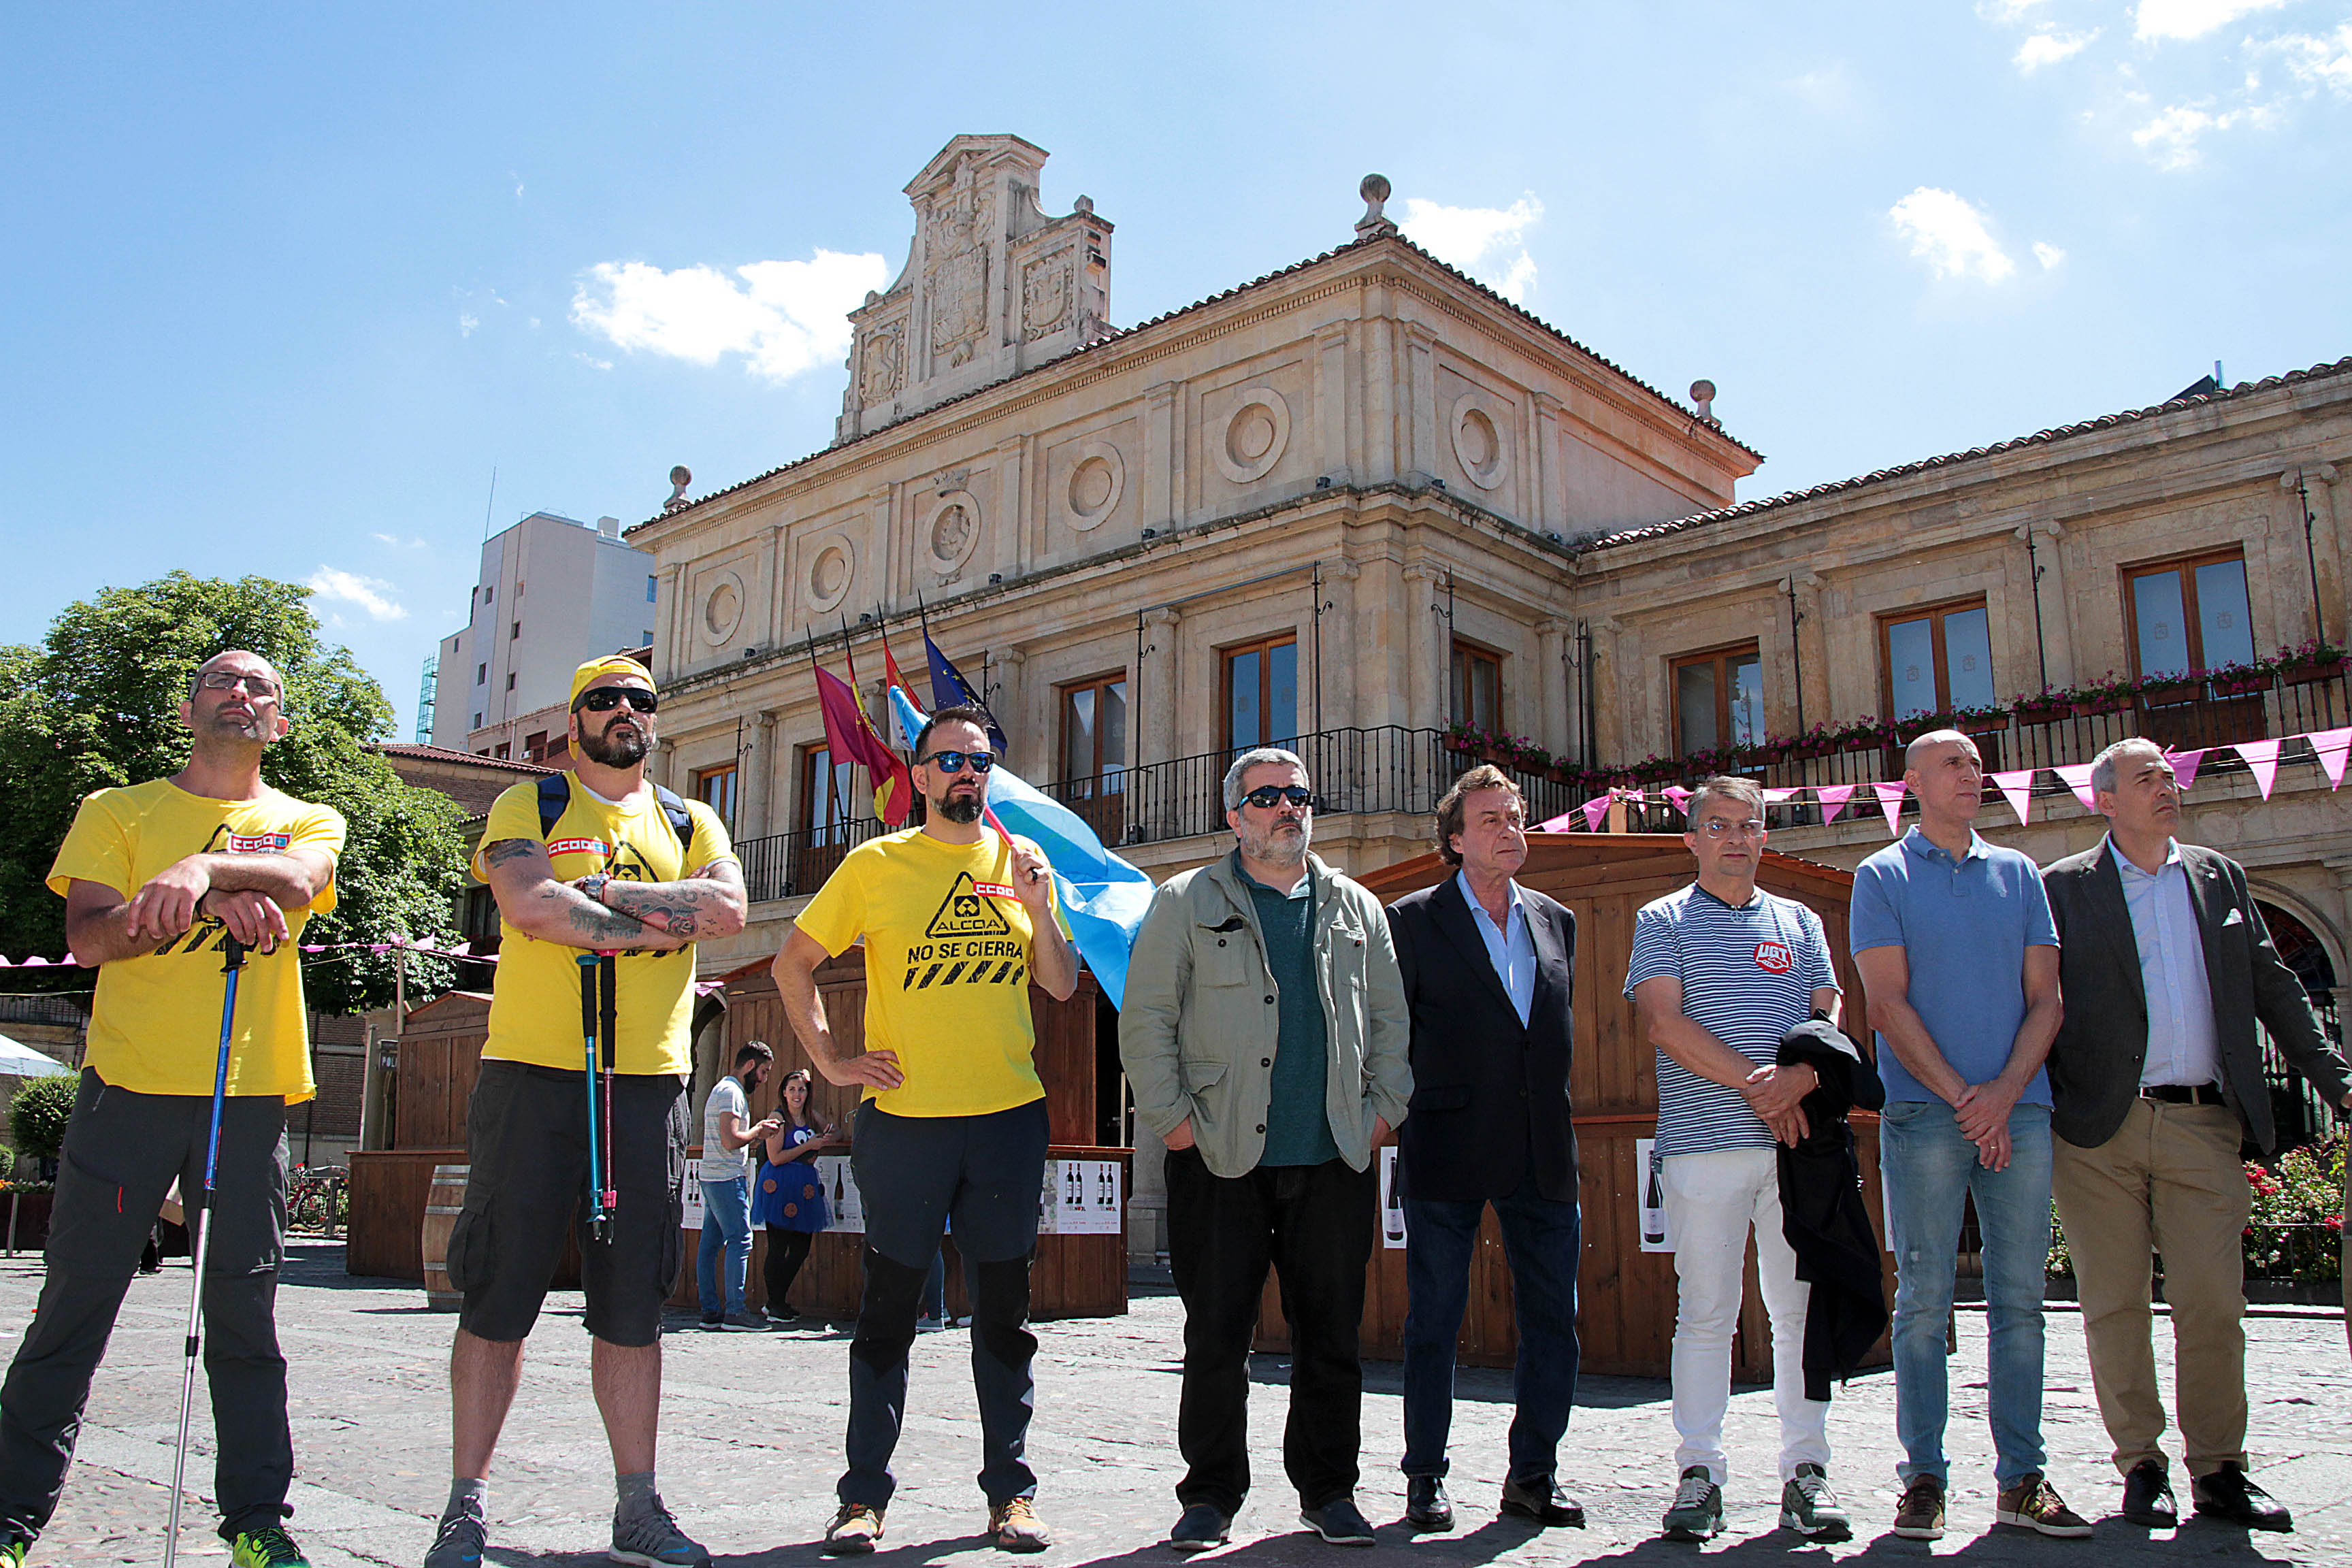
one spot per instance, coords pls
(2078, 779)
(2261, 759)
(1890, 801)
(2017, 788)
(1564, 823)
(1595, 810)
(1832, 798)
(1777, 796)
(2332, 746)
(1677, 797)
(2184, 766)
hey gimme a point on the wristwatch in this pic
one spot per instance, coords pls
(592, 885)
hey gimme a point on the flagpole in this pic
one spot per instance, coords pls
(831, 778)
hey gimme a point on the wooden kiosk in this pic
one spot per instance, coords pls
(1625, 1301)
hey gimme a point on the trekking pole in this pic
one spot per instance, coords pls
(600, 1222)
(231, 961)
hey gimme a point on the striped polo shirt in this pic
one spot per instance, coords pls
(1749, 976)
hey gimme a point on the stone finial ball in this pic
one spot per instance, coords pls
(1375, 188)
(681, 475)
(1702, 392)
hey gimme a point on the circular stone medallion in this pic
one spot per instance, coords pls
(722, 608)
(952, 532)
(1254, 437)
(1098, 478)
(1478, 443)
(829, 576)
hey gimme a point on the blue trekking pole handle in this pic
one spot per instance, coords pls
(232, 965)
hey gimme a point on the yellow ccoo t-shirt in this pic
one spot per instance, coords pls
(154, 1025)
(535, 1002)
(947, 969)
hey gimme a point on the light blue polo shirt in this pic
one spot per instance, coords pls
(1964, 926)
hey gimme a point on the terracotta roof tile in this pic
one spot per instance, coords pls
(2040, 438)
(444, 754)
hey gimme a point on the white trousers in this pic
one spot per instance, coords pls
(1711, 1202)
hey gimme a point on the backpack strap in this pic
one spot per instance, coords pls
(555, 796)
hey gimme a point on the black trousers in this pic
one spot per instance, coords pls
(787, 1250)
(1313, 1226)
(122, 1150)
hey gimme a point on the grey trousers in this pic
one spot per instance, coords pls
(122, 1152)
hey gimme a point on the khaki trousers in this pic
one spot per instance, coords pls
(2168, 1181)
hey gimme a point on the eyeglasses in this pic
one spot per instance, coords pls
(1267, 795)
(1716, 827)
(604, 698)
(956, 762)
(229, 681)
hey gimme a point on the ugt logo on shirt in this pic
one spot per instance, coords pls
(1774, 957)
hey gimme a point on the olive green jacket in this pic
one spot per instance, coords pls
(1198, 1028)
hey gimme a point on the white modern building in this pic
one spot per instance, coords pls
(552, 592)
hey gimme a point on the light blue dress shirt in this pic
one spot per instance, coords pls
(2180, 1046)
(1512, 948)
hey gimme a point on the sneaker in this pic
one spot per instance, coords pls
(1202, 1526)
(2034, 1504)
(854, 1530)
(928, 1325)
(1811, 1509)
(1698, 1511)
(744, 1322)
(1339, 1521)
(782, 1316)
(1921, 1515)
(459, 1544)
(714, 1319)
(651, 1539)
(1013, 1526)
(268, 1547)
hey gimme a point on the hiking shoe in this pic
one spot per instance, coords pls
(1013, 1526)
(1202, 1526)
(1698, 1511)
(2034, 1504)
(854, 1530)
(1339, 1521)
(651, 1539)
(744, 1322)
(459, 1544)
(1811, 1509)
(1921, 1515)
(268, 1547)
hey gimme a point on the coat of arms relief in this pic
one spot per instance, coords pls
(955, 233)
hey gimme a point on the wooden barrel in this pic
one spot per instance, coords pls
(441, 1207)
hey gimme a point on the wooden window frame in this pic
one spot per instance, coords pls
(815, 790)
(1225, 659)
(731, 772)
(1457, 693)
(1721, 658)
(1889, 619)
(1063, 690)
(2192, 625)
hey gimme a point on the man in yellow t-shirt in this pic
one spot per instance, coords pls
(957, 922)
(154, 876)
(628, 869)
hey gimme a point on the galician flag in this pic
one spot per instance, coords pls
(1103, 898)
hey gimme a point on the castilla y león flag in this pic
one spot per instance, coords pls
(853, 740)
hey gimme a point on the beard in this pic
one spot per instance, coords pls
(1279, 845)
(616, 747)
(962, 808)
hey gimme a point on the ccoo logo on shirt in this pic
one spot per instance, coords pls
(1774, 957)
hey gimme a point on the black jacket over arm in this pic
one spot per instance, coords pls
(2102, 1045)
(1490, 1100)
(1822, 1210)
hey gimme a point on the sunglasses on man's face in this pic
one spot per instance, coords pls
(956, 762)
(604, 698)
(1264, 795)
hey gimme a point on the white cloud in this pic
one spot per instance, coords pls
(2049, 256)
(591, 361)
(2321, 61)
(383, 539)
(2170, 139)
(466, 322)
(1489, 243)
(1950, 234)
(2006, 10)
(785, 317)
(368, 592)
(2192, 19)
(2050, 48)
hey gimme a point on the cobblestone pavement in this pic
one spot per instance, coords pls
(751, 1444)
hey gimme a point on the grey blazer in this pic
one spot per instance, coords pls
(2095, 1061)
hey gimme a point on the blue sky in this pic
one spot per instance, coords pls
(284, 285)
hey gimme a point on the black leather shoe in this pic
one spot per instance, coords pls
(1339, 1521)
(1540, 1497)
(2147, 1496)
(2227, 1495)
(1426, 1506)
(1203, 1527)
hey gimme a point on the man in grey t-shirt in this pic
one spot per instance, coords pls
(727, 1189)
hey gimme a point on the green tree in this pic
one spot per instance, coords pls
(97, 704)
(38, 1112)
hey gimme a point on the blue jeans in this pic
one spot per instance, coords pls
(1542, 1240)
(726, 1217)
(1928, 1170)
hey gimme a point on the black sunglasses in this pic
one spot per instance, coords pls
(1267, 795)
(955, 761)
(604, 698)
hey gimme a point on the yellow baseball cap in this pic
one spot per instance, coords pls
(611, 664)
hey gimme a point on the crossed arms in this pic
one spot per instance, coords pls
(249, 894)
(645, 917)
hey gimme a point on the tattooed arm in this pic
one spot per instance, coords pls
(711, 902)
(532, 901)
